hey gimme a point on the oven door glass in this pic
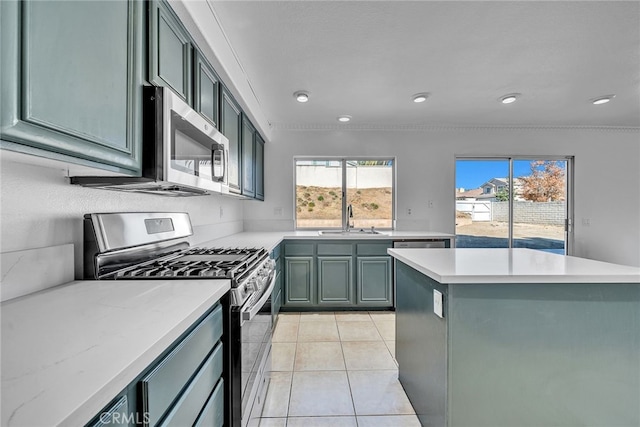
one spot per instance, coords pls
(255, 342)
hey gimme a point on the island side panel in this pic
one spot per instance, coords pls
(421, 345)
(544, 355)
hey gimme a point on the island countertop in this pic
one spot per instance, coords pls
(476, 266)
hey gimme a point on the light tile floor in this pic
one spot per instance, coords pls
(334, 370)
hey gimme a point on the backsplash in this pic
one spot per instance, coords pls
(41, 209)
(32, 270)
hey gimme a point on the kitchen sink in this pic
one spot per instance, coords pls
(351, 232)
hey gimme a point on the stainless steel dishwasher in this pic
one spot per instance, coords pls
(425, 243)
(433, 243)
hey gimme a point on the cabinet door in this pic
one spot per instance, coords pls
(230, 127)
(71, 82)
(259, 169)
(169, 50)
(116, 414)
(374, 281)
(335, 280)
(213, 413)
(298, 280)
(248, 159)
(205, 89)
(166, 382)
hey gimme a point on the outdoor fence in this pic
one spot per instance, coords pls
(552, 213)
(357, 177)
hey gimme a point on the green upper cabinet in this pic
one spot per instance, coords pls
(259, 167)
(205, 89)
(176, 61)
(252, 149)
(169, 50)
(248, 158)
(230, 122)
(71, 78)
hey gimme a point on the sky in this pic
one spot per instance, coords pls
(472, 174)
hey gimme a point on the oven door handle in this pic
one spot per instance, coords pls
(250, 312)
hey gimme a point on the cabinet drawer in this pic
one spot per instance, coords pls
(335, 249)
(296, 249)
(114, 415)
(213, 413)
(161, 387)
(186, 410)
(373, 248)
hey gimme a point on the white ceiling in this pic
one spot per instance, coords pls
(367, 58)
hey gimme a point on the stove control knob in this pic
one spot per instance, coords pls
(250, 286)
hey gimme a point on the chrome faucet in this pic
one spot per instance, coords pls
(348, 214)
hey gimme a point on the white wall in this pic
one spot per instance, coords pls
(607, 167)
(359, 177)
(39, 208)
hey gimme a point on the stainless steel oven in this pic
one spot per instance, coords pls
(152, 245)
(255, 324)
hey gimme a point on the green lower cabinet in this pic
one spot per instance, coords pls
(115, 415)
(338, 274)
(335, 281)
(299, 281)
(374, 281)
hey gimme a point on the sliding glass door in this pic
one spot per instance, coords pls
(480, 189)
(514, 203)
(539, 208)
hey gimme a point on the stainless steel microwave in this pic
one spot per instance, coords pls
(183, 154)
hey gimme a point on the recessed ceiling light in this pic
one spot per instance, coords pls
(510, 98)
(344, 119)
(301, 96)
(420, 97)
(602, 99)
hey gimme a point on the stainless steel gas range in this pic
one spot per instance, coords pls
(153, 246)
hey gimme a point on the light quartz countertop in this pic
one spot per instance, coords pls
(269, 240)
(474, 266)
(68, 350)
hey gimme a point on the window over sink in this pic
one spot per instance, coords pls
(326, 187)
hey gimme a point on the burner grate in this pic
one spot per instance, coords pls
(198, 262)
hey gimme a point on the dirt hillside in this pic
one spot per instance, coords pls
(325, 203)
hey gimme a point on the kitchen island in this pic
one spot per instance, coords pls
(526, 338)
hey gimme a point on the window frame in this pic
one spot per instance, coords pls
(511, 188)
(343, 160)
